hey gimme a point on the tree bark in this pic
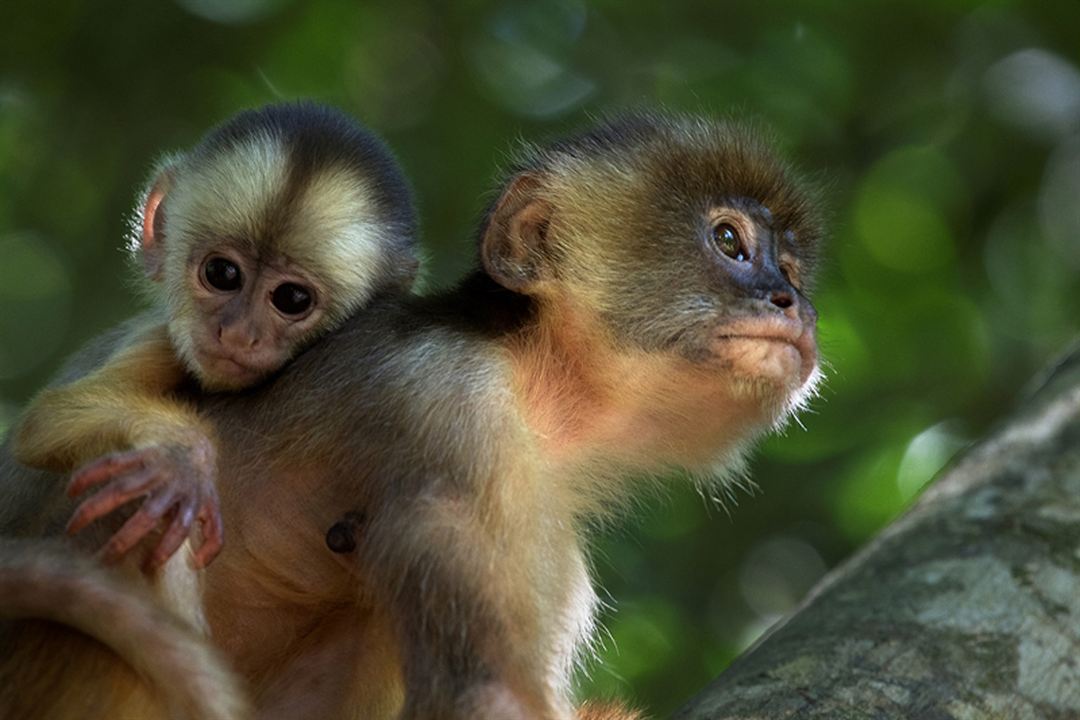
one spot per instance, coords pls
(967, 607)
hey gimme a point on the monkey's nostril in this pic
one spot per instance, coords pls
(781, 300)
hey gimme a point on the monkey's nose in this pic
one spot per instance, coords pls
(786, 301)
(781, 299)
(237, 336)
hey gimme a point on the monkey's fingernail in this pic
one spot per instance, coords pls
(340, 539)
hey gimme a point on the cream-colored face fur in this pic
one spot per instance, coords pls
(240, 206)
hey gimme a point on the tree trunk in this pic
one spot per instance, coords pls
(967, 607)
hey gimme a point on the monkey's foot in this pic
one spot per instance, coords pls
(176, 482)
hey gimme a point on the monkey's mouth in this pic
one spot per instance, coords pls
(764, 335)
(222, 369)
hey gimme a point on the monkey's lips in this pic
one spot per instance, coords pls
(769, 347)
(225, 372)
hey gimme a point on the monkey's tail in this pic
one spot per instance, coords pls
(607, 711)
(45, 582)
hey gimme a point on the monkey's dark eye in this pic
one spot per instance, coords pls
(726, 238)
(222, 274)
(291, 299)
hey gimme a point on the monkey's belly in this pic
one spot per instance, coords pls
(275, 578)
(303, 641)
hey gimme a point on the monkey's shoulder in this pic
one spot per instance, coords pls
(98, 350)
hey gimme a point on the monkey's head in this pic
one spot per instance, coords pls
(672, 237)
(270, 232)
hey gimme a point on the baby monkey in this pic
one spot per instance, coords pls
(267, 234)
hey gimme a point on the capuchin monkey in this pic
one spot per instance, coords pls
(640, 305)
(276, 227)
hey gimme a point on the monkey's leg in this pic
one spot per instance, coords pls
(127, 405)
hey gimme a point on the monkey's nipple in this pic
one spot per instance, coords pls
(341, 537)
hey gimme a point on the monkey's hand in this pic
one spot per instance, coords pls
(177, 483)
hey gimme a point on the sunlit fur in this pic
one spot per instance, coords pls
(49, 582)
(290, 185)
(479, 432)
(628, 196)
(297, 190)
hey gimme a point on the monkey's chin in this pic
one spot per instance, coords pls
(769, 369)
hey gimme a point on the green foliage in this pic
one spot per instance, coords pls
(947, 133)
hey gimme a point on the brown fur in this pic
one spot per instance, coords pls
(607, 711)
(65, 675)
(293, 193)
(477, 431)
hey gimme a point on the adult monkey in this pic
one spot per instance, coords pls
(642, 308)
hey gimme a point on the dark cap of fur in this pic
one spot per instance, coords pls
(318, 136)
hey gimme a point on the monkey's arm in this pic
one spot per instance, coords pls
(160, 448)
(481, 595)
(120, 405)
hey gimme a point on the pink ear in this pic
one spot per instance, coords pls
(153, 222)
(512, 247)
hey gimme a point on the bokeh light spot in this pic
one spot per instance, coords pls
(777, 573)
(901, 209)
(232, 12)
(1036, 90)
(522, 59)
(926, 455)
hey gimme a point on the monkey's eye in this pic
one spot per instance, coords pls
(222, 274)
(726, 239)
(291, 299)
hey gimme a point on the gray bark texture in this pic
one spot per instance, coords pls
(967, 607)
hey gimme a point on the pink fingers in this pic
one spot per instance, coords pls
(137, 527)
(175, 535)
(103, 469)
(119, 492)
(213, 533)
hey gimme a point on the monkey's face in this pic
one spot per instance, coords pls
(260, 243)
(724, 293)
(715, 278)
(244, 319)
(760, 326)
(682, 240)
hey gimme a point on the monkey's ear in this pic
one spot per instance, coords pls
(513, 245)
(152, 237)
